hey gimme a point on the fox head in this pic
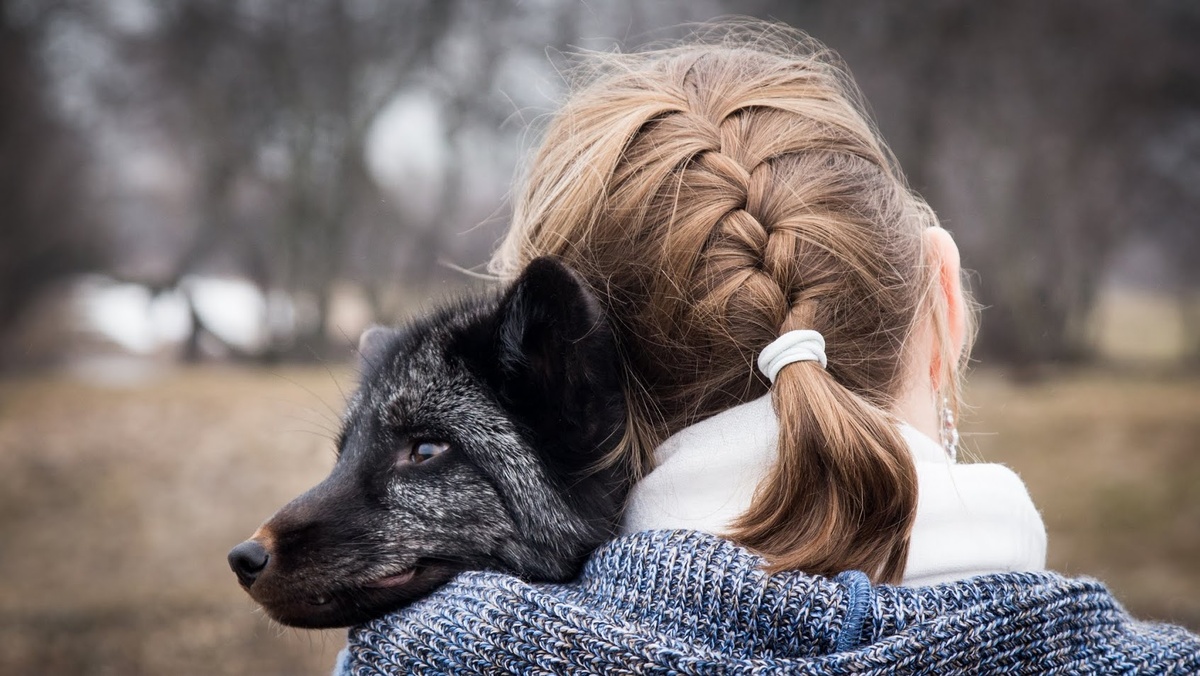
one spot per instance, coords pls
(475, 441)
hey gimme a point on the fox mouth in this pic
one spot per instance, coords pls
(398, 580)
(387, 582)
(340, 606)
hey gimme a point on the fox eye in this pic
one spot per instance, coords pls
(424, 450)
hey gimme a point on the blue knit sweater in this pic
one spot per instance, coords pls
(679, 602)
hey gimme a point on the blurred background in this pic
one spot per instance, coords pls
(203, 202)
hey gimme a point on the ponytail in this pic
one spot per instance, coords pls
(843, 493)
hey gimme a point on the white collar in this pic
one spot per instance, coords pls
(971, 519)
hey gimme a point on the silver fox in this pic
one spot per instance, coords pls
(477, 439)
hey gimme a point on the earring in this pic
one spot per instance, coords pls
(949, 431)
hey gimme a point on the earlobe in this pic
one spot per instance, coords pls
(945, 255)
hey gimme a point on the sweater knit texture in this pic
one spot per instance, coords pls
(684, 602)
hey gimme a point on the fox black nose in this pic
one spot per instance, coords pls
(247, 560)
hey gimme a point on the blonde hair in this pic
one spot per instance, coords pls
(715, 195)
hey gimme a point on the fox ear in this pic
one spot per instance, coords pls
(372, 344)
(556, 355)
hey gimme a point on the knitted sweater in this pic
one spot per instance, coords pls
(683, 602)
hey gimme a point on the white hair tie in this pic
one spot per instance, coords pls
(791, 347)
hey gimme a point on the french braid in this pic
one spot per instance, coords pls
(716, 196)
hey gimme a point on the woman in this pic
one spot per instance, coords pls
(793, 329)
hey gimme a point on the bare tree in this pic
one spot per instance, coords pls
(46, 220)
(268, 107)
(276, 97)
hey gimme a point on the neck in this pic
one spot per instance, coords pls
(918, 407)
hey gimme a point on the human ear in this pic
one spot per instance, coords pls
(944, 255)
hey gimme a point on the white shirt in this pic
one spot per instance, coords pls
(971, 519)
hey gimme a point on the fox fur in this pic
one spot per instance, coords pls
(477, 439)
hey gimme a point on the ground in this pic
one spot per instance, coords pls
(117, 505)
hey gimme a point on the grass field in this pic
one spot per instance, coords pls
(117, 506)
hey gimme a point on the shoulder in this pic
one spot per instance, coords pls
(686, 602)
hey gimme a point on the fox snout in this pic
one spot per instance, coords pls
(247, 560)
(257, 562)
